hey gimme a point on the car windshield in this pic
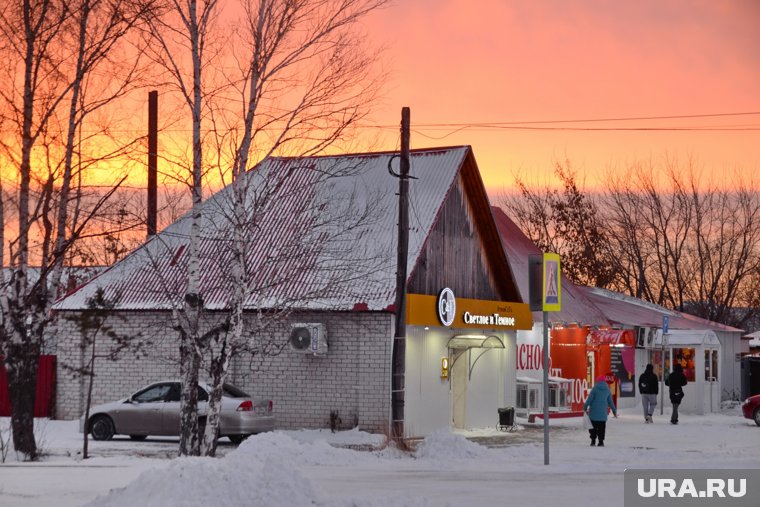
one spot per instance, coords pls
(234, 392)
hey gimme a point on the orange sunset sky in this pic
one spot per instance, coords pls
(473, 61)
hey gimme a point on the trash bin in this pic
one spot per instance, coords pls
(507, 416)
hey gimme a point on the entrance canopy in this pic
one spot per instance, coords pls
(475, 341)
(612, 337)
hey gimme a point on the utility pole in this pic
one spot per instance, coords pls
(398, 365)
(152, 162)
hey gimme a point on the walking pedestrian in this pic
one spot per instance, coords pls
(599, 399)
(675, 382)
(649, 388)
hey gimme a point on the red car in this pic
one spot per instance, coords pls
(751, 408)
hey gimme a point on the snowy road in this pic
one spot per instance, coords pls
(291, 469)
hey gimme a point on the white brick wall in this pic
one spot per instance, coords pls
(352, 379)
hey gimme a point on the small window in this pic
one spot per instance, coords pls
(152, 394)
(655, 358)
(686, 358)
(233, 392)
(174, 393)
(202, 394)
(522, 396)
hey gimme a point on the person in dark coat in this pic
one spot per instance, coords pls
(675, 382)
(596, 405)
(649, 388)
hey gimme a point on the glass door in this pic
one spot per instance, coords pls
(711, 377)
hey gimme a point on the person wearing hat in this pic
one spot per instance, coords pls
(599, 399)
(675, 381)
(649, 388)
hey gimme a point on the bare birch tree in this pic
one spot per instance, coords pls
(308, 55)
(302, 80)
(183, 33)
(47, 150)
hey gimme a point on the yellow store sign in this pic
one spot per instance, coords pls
(448, 311)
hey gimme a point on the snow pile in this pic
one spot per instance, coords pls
(348, 438)
(279, 446)
(264, 471)
(444, 445)
(190, 482)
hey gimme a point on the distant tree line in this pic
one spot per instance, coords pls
(664, 233)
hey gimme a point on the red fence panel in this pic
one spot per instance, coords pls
(44, 403)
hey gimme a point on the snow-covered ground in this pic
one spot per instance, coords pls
(318, 468)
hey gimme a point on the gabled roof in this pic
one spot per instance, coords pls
(325, 238)
(629, 311)
(576, 307)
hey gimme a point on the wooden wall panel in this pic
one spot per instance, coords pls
(454, 254)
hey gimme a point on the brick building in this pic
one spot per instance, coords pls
(320, 249)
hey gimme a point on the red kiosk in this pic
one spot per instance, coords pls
(581, 354)
(612, 353)
(568, 360)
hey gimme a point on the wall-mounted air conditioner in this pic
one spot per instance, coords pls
(644, 337)
(308, 338)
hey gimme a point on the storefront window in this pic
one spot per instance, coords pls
(685, 357)
(622, 360)
(655, 359)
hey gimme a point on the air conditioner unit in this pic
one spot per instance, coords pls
(641, 337)
(644, 337)
(308, 338)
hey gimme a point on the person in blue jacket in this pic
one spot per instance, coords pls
(596, 405)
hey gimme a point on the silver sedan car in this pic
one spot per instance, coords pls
(154, 410)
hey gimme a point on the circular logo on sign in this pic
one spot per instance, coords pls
(447, 307)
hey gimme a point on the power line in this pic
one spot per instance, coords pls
(597, 129)
(523, 125)
(584, 120)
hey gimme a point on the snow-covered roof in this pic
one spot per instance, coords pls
(575, 308)
(320, 234)
(629, 311)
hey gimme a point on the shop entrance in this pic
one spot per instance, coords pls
(711, 380)
(474, 391)
(459, 381)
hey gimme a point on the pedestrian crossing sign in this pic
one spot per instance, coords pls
(552, 290)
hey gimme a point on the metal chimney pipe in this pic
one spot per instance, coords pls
(152, 162)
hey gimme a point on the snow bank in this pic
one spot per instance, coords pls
(261, 472)
(443, 445)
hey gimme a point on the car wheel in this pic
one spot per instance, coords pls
(101, 427)
(139, 438)
(756, 416)
(236, 439)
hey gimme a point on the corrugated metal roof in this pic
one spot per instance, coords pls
(323, 238)
(626, 310)
(576, 307)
